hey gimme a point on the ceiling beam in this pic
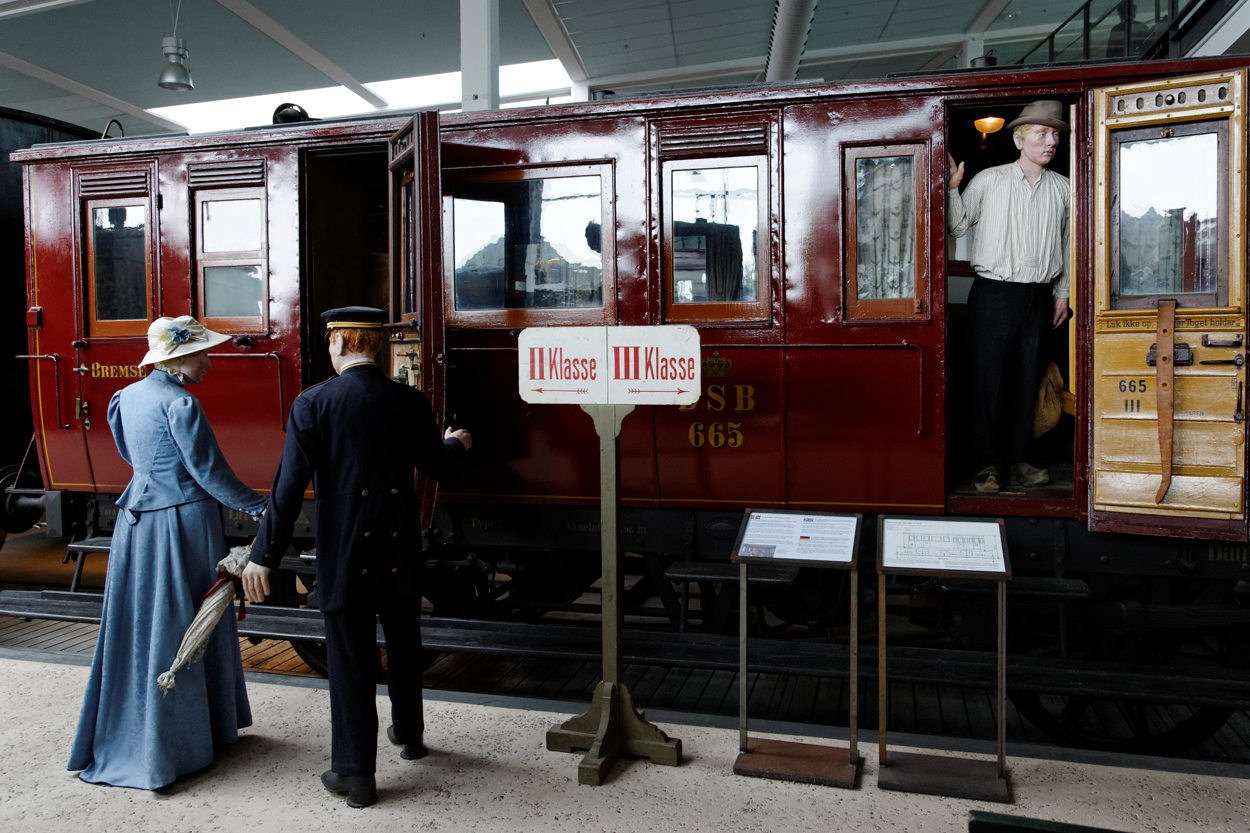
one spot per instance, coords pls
(548, 21)
(812, 57)
(286, 38)
(68, 84)
(986, 17)
(17, 8)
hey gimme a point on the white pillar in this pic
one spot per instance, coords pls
(974, 47)
(479, 54)
(579, 91)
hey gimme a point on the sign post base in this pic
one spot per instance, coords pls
(609, 727)
(806, 763)
(910, 772)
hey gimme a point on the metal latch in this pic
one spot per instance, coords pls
(1182, 355)
(1207, 342)
(1237, 359)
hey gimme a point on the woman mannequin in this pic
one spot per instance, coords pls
(166, 546)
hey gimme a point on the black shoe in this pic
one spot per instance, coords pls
(361, 790)
(410, 751)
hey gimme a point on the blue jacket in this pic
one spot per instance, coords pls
(166, 439)
(358, 437)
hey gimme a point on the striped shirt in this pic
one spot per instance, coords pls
(1019, 231)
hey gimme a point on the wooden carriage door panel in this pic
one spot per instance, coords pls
(416, 350)
(1169, 431)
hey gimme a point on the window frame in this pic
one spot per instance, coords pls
(603, 315)
(122, 326)
(715, 312)
(1219, 299)
(879, 309)
(240, 324)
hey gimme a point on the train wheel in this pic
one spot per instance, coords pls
(13, 518)
(1140, 728)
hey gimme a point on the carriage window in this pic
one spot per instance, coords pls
(118, 268)
(231, 259)
(531, 243)
(1170, 187)
(885, 255)
(715, 215)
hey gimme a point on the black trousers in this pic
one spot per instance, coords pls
(1008, 323)
(351, 646)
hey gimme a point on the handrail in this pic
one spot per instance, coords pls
(1173, 17)
(56, 363)
(278, 359)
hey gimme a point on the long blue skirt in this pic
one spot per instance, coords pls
(130, 735)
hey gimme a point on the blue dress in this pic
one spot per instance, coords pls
(166, 546)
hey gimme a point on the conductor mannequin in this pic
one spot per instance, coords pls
(1018, 216)
(358, 437)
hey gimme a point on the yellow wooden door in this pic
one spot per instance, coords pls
(1169, 220)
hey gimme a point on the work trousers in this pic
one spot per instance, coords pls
(1008, 323)
(351, 646)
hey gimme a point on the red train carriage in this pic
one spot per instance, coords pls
(801, 230)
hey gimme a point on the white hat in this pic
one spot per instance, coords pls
(169, 338)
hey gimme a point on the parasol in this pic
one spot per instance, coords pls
(219, 597)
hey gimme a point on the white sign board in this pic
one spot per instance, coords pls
(965, 546)
(797, 536)
(610, 365)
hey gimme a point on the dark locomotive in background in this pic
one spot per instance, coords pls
(801, 229)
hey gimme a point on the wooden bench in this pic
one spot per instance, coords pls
(77, 552)
(710, 573)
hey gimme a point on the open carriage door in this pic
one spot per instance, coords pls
(416, 349)
(1169, 307)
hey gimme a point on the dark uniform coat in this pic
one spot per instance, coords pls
(358, 437)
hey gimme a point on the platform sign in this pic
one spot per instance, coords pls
(610, 365)
(938, 545)
(812, 538)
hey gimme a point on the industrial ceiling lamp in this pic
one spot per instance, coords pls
(175, 75)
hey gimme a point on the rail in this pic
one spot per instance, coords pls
(278, 361)
(56, 363)
(1130, 31)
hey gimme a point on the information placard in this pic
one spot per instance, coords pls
(935, 545)
(811, 538)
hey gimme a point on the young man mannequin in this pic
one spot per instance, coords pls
(1018, 214)
(359, 437)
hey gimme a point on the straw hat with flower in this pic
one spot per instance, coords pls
(172, 338)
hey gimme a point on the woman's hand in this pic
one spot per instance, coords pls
(255, 582)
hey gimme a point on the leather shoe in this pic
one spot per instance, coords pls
(987, 480)
(1028, 477)
(411, 751)
(361, 790)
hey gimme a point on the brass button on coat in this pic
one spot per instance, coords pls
(394, 569)
(367, 534)
(394, 491)
(365, 493)
(364, 572)
(394, 534)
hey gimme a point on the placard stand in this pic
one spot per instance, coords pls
(808, 763)
(611, 725)
(940, 774)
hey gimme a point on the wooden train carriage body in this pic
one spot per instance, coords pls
(818, 394)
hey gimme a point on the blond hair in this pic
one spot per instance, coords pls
(1022, 130)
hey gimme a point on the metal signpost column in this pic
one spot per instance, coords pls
(608, 371)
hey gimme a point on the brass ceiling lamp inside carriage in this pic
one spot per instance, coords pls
(175, 75)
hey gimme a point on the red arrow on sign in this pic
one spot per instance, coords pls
(560, 390)
(640, 390)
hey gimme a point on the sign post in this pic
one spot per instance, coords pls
(609, 371)
(806, 539)
(943, 547)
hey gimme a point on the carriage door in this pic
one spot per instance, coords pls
(416, 348)
(1169, 308)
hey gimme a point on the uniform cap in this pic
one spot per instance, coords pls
(354, 318)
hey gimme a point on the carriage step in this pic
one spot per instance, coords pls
(1215, 687)
(77, 552)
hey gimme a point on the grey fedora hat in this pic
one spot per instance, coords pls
(1047, 112)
